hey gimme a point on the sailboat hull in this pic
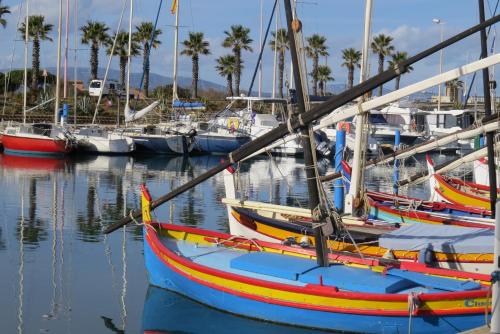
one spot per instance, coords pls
(175, 144)
(34, 145)
(219, 144)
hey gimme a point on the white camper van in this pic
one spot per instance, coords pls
(110, 88)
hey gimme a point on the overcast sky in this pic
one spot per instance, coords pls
(409, 22)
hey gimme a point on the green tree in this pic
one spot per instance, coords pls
(238, 39)
(316, 47)
(351, 58)
(3, 10)
(96, 34)
(38, 31)
(145, 33)
(226, 67)
(382, 47)
(193, 47)
(121, 50)
(279, 42)
(397, 58)
(324, 75)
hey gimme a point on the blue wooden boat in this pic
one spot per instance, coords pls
(284, 284)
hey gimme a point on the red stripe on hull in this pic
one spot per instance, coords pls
(41, 145)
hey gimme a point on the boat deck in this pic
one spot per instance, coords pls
(297, 271)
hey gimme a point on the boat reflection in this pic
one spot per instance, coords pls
(167, 312)
(26, 163)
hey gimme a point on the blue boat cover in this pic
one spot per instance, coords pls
(440, 238)
(435, 282)
(187, 105)
(356, 279)
(277, 265)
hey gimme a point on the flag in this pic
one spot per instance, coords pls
(173, 9)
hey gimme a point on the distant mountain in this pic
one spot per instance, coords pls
(155, 80)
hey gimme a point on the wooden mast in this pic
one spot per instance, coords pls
(294, 26)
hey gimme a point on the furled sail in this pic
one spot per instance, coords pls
(131, 115)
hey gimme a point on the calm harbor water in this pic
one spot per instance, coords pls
(60, 274)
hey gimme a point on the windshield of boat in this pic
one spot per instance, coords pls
(95, 84)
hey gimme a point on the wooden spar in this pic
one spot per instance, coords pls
(391, 97)
(253, 205)
(446, 166)
(306, 118)
(488, 124)
(487, 112)
(312, 184)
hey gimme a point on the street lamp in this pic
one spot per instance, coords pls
(440, 22)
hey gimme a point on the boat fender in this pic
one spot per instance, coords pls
(346, 126)
(389, 255)
(304, 242)
(426, 255)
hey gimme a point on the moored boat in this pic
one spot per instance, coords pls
(98, 140)
(37, 139)
(283, 284)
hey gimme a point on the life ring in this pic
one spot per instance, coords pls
(233, 123)
(346, 126)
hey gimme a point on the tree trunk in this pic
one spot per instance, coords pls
(322, 88)
(145, 68)
(281, 70)
(194, 93)
(350, 77)
(35, 63)
(237, 72)
(315, 75)
(398, 78)
(123, 68)
(229, 84)
(380, 70)
(94, 60)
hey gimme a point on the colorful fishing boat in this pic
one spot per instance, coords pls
(284, 284)
(456, 191)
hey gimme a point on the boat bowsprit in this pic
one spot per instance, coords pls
(284, 284)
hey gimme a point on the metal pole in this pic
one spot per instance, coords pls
(487, 112)
(440, 67)
(338, 199)
(75, 59)
(275, 61)
(495, 308)
(395, 175)
(129, 60)
(176, 52)
(26, 41)
(58, 68)
(312, 184)
(66, 40)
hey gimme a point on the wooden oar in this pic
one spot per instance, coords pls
(301, 121)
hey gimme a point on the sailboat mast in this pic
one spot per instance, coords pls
(58, 67)
(260, 43)
(361, 121)
(75, 59)
(26, 42)
(312, 182)
(275, 60)
(129, 60)
(66, 46)
(176, 52)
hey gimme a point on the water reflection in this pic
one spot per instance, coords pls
(65, 276)
(167, 312)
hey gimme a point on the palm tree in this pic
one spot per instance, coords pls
(121, 50)
(144, 35)
(280, 44)
(382, 47)
(38, 31)
(193, 47)
(397, 58)
(238, 39)
(315, 48)
(96, 34)
(324, 75)
(351, 58)
(226, 66)
(3, 10)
